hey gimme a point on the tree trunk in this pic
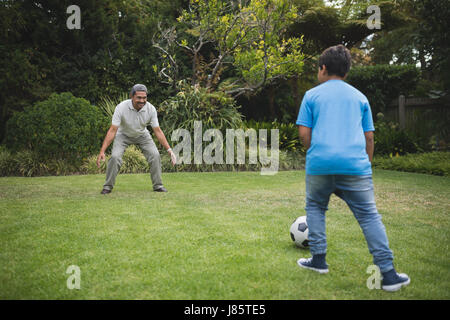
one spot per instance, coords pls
(271, 98)
(295, 93)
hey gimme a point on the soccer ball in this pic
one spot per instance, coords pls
(299, 232)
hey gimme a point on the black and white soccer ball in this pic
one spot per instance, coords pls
(299, 232)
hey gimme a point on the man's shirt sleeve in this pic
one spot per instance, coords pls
(117, 117)
(154, 118)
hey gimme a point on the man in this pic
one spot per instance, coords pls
(336, 127)
(129, 126)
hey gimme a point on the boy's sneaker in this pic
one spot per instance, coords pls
(393, 281)
(318, 265)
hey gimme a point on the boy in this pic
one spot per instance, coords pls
(336, 127)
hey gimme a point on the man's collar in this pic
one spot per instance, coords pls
(130, 106)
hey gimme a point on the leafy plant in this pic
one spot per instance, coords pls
(216, 110)
(247, 35)
(288, 134)
(436, 163)
(61, 127)
(7, 165)
(108, 104)
(390, 140)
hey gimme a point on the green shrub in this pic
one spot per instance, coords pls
(7, 163)
(391, 140)
(108, 105)
(61, 127)
(60, 167)
(215, 110)
(288, 134)
(384, 83)
(436, 163)
(133, 161)
(28, 164)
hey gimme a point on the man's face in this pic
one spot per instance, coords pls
(139, 99)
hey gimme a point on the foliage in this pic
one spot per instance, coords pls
(436, 163)
(108, 104)
(248, 35)
(133, 161)
(216, 110)
(7, 165)
(61, 127)
(416, 38)
(40, 55)
(288, 134)
(390, 140)
(383, 83)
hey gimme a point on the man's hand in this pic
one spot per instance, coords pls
(101, 157)
(173, 158)
(108, 139)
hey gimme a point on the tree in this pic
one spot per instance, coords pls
(420, 37)
(247, 35)
(39, 55)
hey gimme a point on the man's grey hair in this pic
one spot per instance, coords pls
(137, 87)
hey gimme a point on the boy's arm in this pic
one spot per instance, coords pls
(369, 144)
(305, 136)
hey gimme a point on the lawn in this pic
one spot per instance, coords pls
(212, 236)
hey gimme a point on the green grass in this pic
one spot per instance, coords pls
(212, 236)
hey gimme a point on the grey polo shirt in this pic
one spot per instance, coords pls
(133, 123)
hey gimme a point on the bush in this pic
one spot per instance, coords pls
(7, 164)
(436, 163)
(133, 161)
(391, 140)
(384, 83)
(61, 127)
(28, 164)
(216, 110)
(288, 134)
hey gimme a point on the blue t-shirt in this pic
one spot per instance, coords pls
(338, 114)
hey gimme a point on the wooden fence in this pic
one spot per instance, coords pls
(423, 117)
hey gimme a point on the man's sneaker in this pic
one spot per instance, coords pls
(313, 265)
(162, 189)
(393, 281)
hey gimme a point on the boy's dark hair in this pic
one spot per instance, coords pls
(337, 59)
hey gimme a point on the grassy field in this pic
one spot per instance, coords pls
(212, 236)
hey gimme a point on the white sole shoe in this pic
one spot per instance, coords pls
(304, 263)
(397, 286)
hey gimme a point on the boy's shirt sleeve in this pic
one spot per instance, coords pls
(367, 121)
(305, 116)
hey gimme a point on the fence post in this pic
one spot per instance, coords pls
(402, 111)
